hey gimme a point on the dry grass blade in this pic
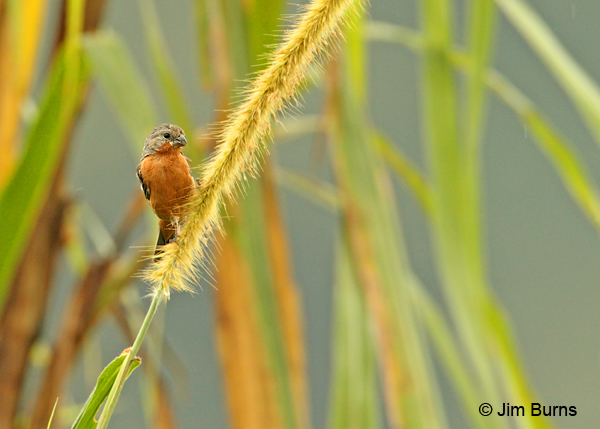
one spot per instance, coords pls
(250, 385)
(288, 302)
(241, 137)
(366, 271)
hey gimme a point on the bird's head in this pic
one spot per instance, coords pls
(163, 138)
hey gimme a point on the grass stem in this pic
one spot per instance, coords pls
(113, 396)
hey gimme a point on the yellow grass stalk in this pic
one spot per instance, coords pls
(289, 304)
(20, 31)
(240, 140)
(250, 385)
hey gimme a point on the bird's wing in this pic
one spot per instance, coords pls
(143, 184)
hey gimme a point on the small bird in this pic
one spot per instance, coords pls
(166, 180)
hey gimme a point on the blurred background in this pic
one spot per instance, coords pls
(423, 236)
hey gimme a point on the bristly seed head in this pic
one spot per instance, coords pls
(240, 145)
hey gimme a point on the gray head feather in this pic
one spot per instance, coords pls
(160, 135)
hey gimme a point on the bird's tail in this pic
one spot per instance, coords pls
(159, 244)
(167, 232)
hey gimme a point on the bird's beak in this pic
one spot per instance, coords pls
(180, 141)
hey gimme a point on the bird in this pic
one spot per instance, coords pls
(166, 180)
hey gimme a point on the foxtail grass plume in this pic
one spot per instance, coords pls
(240, 142)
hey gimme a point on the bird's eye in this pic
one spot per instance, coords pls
(167, 135)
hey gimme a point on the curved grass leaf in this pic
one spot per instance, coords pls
(572, 173)
(408, 172)
(313, 190)
(456, 224)
(568, 166)
(86, 418)
(578, 85)
(392, 33)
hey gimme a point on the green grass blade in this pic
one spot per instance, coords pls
(572, 173)
(355, 398)
(391, 33)
(23, 196)
(419, 404)
(456, 221)
(460, 249)
(86, 418)
(164, 66)
(237, 37)
(123, 83)
(480, 43)
(578, 85)
(568, 166)
(451, 357)
(510, 365)
(480, 48)
(262, 20)
(318, 192)
(200, 9)
(52, 415)
(406, 171)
